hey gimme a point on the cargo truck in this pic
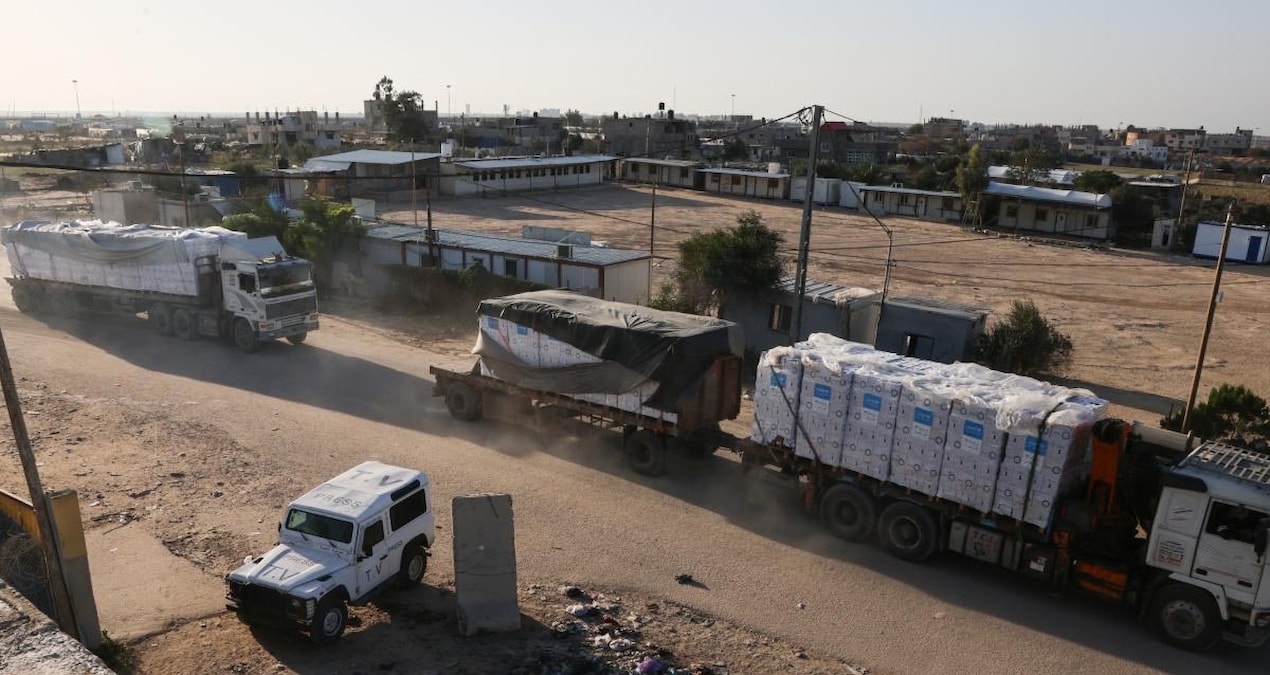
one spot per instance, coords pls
(188, 282)
(926, 458)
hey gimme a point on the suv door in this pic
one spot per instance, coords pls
(374, 564)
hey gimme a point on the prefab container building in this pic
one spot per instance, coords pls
(1248, 243)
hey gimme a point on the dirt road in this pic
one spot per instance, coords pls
(198, 447)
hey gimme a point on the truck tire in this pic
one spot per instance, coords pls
(329, 620)
(244, 337)
(463, 401)
(849, 512)
(24, 298)
(1186, 617)
(414, 564)
(297, 339)
(908, 531)
(646, 452)
(183, 325)
(160, 318)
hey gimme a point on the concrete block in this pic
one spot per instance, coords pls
(485, 564)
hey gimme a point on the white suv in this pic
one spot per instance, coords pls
(344, 542)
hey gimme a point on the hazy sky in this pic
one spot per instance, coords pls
(1105, 62)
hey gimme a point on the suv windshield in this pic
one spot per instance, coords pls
(283, 278)
(319, 525)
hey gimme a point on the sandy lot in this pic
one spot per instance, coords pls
(1135, 317)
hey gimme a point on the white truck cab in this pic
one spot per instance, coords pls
(342, 542)
(1210, 535)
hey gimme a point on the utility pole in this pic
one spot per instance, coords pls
(804, 236)
(39, 501)
(1181, 207)
(414, 185)
(652, 238)
(185, 192)
(1208, 322)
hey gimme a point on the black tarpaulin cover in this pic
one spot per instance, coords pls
(637, 343)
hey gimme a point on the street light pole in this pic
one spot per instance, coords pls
(804, 237)
(78, 115)
(1208, 322)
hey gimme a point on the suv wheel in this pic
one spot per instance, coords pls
(329, 621)
(414, 563)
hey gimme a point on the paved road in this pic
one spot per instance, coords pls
(350, 395)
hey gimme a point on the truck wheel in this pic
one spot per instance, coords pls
(463, 401)
(329, 621)
(646, 452)
(160, 317)
(1186, 617)
(414, 563)
(298, 338)
(244, 337)
(849, 512)
(908, 531)
(24, 299)
(183, 324)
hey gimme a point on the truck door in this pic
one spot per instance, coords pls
(373, 564)
(1225, 553)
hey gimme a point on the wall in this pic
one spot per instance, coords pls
(952, 337)
(627, 282)
(853, 321)
(1208, 238)
(464, 181)
(128, 207)
(1059, 219)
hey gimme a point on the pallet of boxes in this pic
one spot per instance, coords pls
(991, 442)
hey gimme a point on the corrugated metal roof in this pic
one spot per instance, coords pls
(1060, 176)
(825, 293)
(906, 191)
(531, 248)
(372, 157)
(1069, 197)
(522, 162)
(662, 162)
(741, 172)
(945, 306)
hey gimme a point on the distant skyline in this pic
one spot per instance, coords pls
(1080, 62)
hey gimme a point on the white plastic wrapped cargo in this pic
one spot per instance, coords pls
(822, 406)
(109, 255)
(520, 341)
(777, 387)
(871, 413)
(921, 429)
(1039, 469)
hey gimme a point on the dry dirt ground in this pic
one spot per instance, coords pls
(119, 460)
(1135, 317)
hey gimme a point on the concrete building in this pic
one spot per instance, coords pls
(1064, 212)
(660, 137)
(1238, 143)
(672, 172)
(1248, 243)
(291, 128)
(910, 202)
(1183, 140)
(609, 273)
(736, 182)
(461, 177)
(930, 329)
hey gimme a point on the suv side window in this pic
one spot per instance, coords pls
(407, 510)
(373, 534)
(1233, 522)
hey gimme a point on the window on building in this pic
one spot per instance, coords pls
(1230, 521)
(510, 269)
(407, 510)
(878, 197)
(824, 147)
(921, 346)
(905, 200)
(371, 536)
(683, 173)
(780, 317)
(1042, 215)
(736, 180)
(772, 183)
(948, 203)
(1011, 210)
(714, 178)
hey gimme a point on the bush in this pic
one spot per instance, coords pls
(1024, 342)
(1232, 413)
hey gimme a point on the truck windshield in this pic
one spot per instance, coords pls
(319, 525)
(289, 277)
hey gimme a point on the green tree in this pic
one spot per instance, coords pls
(1024, 342)
(735, 150)
(869, 174)
(1232, 413)
(323, 230)
(972, 175)
(1031, 165)
(403, 112)
(715, 264)
(573, 118)
(1100, 181)
(925, 178)
(263, 221)
(916, 129)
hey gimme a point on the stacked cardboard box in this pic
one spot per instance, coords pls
(972, 454)
(1039, 467)
(777, 388)
(921, 427)
(871, 412)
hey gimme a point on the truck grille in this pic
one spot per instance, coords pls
(258, 600)
(295, 307)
